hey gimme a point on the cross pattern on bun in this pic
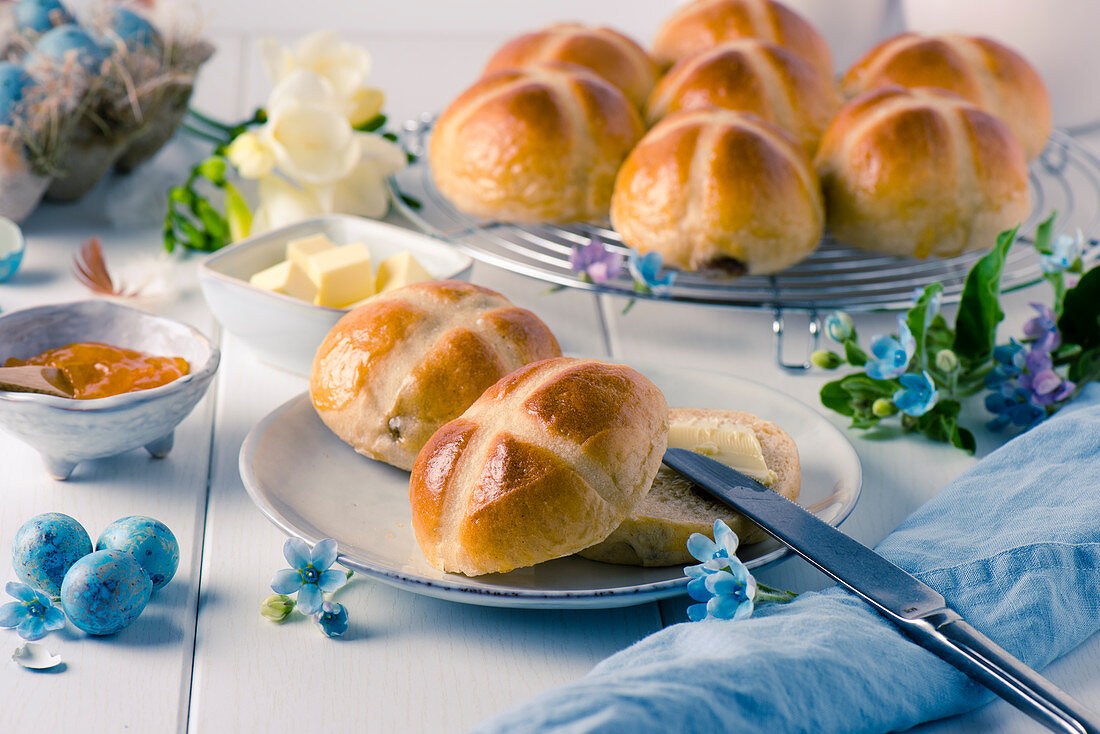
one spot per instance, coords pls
(537, 144)
(657, 530)
(394, 370)
(703, 24)
(608, 53)
(548, 461)
(751, 75)
(719, 192)
(987, 73)
(920, 172)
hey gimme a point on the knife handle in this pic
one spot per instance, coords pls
(947, 635)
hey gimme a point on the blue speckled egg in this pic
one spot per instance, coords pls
(105, 591)
(149, 541)
(133, 30)
(46, 547)
(14, 81)
(35, 15)
(65, 38)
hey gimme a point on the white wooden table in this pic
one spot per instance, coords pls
(201, 658)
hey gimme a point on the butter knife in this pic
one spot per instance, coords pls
(918, 611)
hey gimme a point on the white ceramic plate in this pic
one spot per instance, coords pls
(313, 485)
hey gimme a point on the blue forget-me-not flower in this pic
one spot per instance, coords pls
(891, 356)
(33, 615)
(332, 618)
(309, 573)
(917, 395)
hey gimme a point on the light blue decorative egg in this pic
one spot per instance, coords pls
(61, 40)
(105, 591)
(133, 30)
(40, 15)
(149, 541)
(46, 547)
(14, 81)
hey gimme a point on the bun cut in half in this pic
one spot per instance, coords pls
(395, 369)
(657, 530)
(920, 172)
(754, 76)
(537, 144)
(987, 73)
(703, 24)
(548, 461)
(719, 192)
(610, 54)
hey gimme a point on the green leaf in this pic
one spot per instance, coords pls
(980, 309)
(1086, 367)
(836, 398)
(1044, 235)
(855, 356)
(862, 387)
(941, 423)
(372, 124)
(964, 439)
(864, 421)
(918, 315)
(412, 202)
(237, 214)
(1080, 321)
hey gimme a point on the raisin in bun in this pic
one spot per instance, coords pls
(548, 461)
(392, 371)
(987, 73)
(920, 172)
(703, 24)
(657, 530)
(719, 192)
(751, 75)
(537, 144)
(608, 53)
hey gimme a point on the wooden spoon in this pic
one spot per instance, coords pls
(36, 378)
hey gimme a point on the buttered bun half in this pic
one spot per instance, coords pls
(719, 192)
(537, 144)
(546, 462)
(657, 530)
(608, 53)
(394, 370)
(920, 172)
(988, 73)
(703, 24)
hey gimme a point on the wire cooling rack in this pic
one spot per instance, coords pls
(1065, 178)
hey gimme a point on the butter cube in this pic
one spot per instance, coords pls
(288, 278)
(400, 270)
(301, 250)
(342, 275)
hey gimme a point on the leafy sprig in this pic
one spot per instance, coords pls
(925, 373)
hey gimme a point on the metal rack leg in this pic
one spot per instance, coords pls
(814, 330)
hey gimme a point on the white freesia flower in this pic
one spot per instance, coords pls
(251, 155)
(343, 65)
(282, 203)
(312, 142)
(364, 192)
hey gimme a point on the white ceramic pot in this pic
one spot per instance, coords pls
(851, 27)
(1056, 36)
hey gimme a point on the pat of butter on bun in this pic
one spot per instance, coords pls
(656, 532)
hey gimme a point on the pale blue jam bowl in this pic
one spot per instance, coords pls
(66, 431)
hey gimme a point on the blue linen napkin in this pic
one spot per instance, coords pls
(1014, 546)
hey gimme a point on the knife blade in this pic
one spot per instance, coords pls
(917, 610)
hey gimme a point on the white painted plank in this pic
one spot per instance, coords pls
(138, 679)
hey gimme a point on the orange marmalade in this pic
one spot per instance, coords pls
(100, 370)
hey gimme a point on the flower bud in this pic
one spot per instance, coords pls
(946, 361)
(884, 407)
(826, 360)
(839, 327)
(276, 607)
